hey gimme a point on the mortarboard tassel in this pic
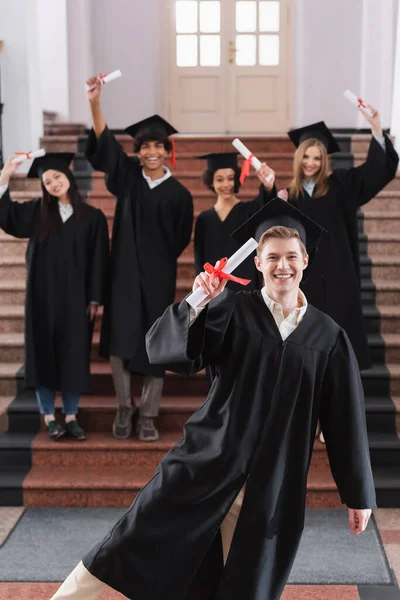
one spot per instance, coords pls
(173, 153)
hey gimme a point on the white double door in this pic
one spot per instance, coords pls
(228, 65)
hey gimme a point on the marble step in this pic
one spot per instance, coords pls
(108, 486)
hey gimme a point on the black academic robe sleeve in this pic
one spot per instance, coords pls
(99, 252)
(18, 218)
(343, 422)
(264, 196)
(185, 348)
(365, 181)
(184, 221)
(107, 155)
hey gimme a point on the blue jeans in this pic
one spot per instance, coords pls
(47, 398)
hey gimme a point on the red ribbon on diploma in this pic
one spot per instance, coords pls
(27, 154)
(218, 272)
(101, 76)
(361, 103)
(245, 172)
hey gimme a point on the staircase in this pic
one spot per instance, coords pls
(103, 471)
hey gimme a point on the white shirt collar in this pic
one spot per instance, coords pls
(152, 183)
(309, 186)
(276, 309)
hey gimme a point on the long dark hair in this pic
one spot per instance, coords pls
(50, 220)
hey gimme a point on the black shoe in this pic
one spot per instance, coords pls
(55, 429)
(74, 430)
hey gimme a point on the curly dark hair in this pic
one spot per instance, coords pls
(153, 134)
(208, 179)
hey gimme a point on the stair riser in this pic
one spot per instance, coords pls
(381, 248)
(11, 325)
(8, 386)
(390, 325)
(385, 457)
(174, 386)
(98, 458)
(17, 249)
(205, 146)
(16, 297)
(384, 297)
(386, 225)
(102, 421)
(386, 272)
(124, 498)
(384, 204)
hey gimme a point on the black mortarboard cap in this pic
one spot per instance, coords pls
(59, 161)
(318, 131)
(220, 160)
(154, 122)
(280, 212)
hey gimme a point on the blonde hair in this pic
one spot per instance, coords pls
(321, 182)
(283, 233)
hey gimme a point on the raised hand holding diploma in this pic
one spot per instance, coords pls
(8, 170)
(20, 157)
(370, 113)
(268, 175)
(357, 101)
(103, 79)
(221, 271)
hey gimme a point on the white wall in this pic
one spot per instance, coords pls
(123, 34)
(51, 17)
(80, 58)
(327, 60)
(20, 79)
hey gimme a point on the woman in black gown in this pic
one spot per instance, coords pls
(332, 199)
(214, 226)
(66, 268)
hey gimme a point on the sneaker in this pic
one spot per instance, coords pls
(146, 430)
(122, 426)
(55, 429)
(74, 430)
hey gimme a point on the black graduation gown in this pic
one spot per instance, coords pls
(332, 283)
(151, 229)
(212, 240)
(65, 272)
(257, 426)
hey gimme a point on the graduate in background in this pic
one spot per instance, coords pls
(223, 515)
(66, 260)
(152, 226)
(333, 199)
(212, 236)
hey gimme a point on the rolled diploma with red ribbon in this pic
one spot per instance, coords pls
(245, 152)
(357, 101)
(106, 78)
(234, 261)
(28, 155)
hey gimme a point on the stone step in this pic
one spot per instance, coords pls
(59, 129)
(381, 291)
(196, 144)
(381, 222)
(383, 267)
(174, 385)
(108, 486)
(380, 244)
(12, 291)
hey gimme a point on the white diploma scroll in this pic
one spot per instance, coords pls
(245, 152)
(357, 101)
(28, 155)
(105, 79)
(234, 261)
